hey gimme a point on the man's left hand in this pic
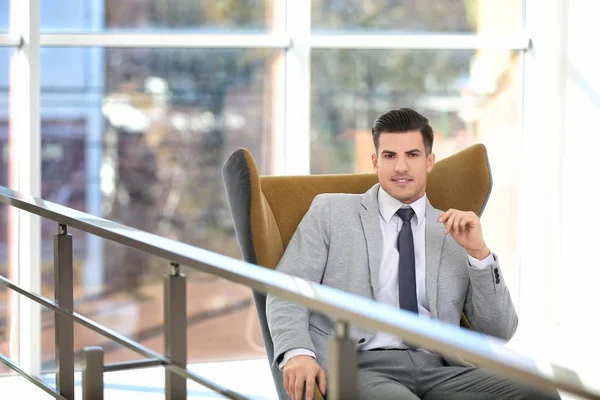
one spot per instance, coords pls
(465, 228)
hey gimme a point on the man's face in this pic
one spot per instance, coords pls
(402, 165)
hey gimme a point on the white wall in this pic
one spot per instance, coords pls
(558, 218)
(579, 277)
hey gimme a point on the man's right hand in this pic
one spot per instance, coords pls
(301, 370)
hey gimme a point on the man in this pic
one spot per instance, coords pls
(392, 246)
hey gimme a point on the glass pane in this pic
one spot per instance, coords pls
(469, 97)
(139, 136)
(459, 16)
(4, 15)
(7, 297)
(157, 15)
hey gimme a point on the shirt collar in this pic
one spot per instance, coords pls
(388, 206)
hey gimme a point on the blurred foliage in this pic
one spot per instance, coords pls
(186, 14)
(397, 15)
(351, 88)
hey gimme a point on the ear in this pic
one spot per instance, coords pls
(374, 160)
(430, 162)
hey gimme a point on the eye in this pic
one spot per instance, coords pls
(413, 154)
(388, 155)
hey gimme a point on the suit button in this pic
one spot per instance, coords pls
(361, 340)
(497, 281)
(496, 271)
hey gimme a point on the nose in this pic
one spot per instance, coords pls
(401, 165)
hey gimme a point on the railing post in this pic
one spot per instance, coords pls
(63, 294)
(342, 365)
(175, 332)
(92, 376)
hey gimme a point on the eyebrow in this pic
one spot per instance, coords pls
(415, 150)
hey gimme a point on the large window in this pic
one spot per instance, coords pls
(138, 133)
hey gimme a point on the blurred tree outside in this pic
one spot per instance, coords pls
(439, 16)
(187, 14)
(350, 88)
(199, 105)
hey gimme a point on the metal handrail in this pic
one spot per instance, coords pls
(154, 357)
(344, 307)
(31, 378)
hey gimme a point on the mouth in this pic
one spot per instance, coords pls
(401, 181)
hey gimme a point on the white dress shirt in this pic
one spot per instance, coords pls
(387, 292)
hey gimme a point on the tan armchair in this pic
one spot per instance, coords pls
(267, 209)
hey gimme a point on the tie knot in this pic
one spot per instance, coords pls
(405, 213)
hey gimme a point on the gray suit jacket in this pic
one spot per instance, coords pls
(338, 243)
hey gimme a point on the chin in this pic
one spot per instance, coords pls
(406, 198)
(403, 197)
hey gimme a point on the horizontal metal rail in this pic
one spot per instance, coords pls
(10, 40)
(327, 40)
(167, 40)
(31, 378)
(392, 41)
(435, 335)
(124, 366)
(120, 339)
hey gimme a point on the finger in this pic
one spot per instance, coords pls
(467, 222)
(463, 223)
(456, 223)
(445, 215)
(473, 219)
(449, 222)
(287, 379)
(310, 388)
(322, 382)
(299, 387)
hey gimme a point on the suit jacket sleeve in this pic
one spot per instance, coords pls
(304, 257)
(488, 305)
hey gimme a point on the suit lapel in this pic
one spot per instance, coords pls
(369, 218)
(434, 242)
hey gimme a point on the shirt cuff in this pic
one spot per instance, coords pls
(481, 264)
(293, 353)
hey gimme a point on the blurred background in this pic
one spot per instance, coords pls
(139, 134)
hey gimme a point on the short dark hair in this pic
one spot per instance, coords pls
(401, 121)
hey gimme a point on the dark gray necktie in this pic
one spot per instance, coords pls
(407, 286)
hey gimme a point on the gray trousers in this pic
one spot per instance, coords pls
(407, 374)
